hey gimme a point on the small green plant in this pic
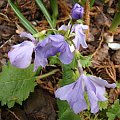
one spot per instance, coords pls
(16, 84)
(114, 111)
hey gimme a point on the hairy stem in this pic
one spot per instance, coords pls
(47, 74)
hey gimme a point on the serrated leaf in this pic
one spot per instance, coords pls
(70, 73)
(85, 61)
(16, 84)
(114, 111)
(65, 113)
(54, 60)
(103, 104)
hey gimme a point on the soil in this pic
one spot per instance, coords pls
(41, 103)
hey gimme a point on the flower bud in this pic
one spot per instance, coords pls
(77, 12)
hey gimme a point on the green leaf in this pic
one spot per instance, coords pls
(70, 73)
(23, 20)
(45, 12)
(115, 22)
(103, 104)
(16, 84)
(65, 113)
(91, 2)
(114, 111)
(85, 60)
(116, 19)
(54, 6)
(40, 35)
(54, 60)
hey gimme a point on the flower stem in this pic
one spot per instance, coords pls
(80, 67)
(47, 74)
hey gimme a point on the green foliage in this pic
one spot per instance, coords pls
(115, 22)
(54, 6)
(65, 113)
(116, 19)
(54, 60)
(85, 61)
(45, 12)
(70, 73)
(16, 84)
(103, 104)
(23, 20)
(114, 111)
(40, 35)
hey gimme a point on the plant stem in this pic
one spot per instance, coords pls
(47, 74)
(80, 67)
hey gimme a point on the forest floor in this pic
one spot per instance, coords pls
(41, 103)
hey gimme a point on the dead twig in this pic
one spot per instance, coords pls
(13, 114)
(87, 17)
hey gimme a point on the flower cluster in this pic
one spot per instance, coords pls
(21, 55)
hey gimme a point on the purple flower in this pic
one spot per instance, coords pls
(21, 55)
(80, 38)
(52, 45)
(77, 12)
(74, 93)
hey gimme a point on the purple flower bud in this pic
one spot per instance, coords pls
(52, 45)
(77, 12)
(74, 93)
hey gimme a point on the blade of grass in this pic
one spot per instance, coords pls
(116, 19)
(115, 22)
(23, 20)
(45, 12)
(91, 2)
(54, 6)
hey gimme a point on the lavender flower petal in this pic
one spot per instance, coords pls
(96, 91)
(66, 56)
(40, 60)
(101, 82)
(63, 27)
(28, 35)
(52, 45)
(80, 38)
(74, 93)
(20, 56)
